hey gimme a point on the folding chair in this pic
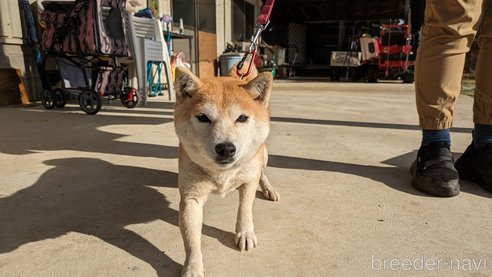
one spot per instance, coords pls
(149, 47)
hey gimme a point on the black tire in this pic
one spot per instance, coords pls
(372, 75)
(129, 97)
(334, 75)
(60, 98)
(408, 77)
(89, 101)
(48, 99)
(356, 74)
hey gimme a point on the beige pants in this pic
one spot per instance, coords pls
(448, 32)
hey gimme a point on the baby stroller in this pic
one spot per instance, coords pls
(82, 44)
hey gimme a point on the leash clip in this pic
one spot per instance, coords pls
(253, 47)
(261, 24)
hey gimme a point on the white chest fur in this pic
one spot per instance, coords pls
(228, 181)
(196, 180)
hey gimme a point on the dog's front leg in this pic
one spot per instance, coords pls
(245, 234)
(190, 225)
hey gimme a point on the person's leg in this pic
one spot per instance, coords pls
(430, 136)
(448, 31)
(482, 108)
(476, 163)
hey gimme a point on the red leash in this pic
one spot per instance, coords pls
(264, 17)
(261, 25)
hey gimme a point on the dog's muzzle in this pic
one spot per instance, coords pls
(225, 152)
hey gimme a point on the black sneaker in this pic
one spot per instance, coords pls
(433, 171)
(475, 165)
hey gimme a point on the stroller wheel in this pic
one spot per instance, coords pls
(48, 99)
(129, 97)
(60, 98)
(89, 101)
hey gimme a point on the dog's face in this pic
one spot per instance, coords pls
(221, 122)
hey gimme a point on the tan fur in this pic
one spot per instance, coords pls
(202, 169)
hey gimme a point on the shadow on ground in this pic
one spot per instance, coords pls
(56, 130)
(88, 195)
(97, 198)
(396, 173)
(361, 124)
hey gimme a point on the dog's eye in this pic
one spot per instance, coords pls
(203, 118)
(242, 118)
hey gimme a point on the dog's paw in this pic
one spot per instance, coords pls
(246, 240)
(271, 194)
(192, 270)
(191, 273)
(268, 192)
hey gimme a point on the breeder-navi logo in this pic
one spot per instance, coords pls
(428, 264)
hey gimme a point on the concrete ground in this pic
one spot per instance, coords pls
(96, 195)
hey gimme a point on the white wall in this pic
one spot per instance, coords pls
(224, 21)
(13, 54)
(10, 24)
(224, 24)
(165, 7)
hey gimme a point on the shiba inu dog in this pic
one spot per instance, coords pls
(222, 124)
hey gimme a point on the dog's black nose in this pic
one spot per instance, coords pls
(225, 150)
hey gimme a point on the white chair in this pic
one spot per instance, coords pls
(148, 45)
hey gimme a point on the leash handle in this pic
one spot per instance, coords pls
(264, 17)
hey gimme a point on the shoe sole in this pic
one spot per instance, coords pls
(469, 173)
(434, 187)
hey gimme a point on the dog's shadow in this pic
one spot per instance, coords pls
(97, 198)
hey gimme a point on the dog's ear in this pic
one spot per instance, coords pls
(261, 87)
(185, 83)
